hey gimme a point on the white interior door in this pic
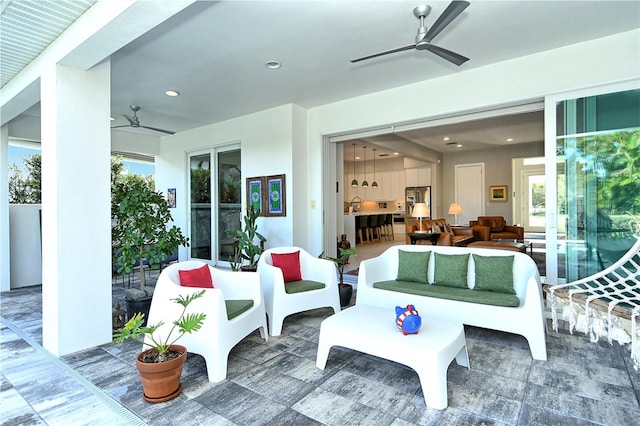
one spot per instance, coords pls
(469, 191)
(532, 199)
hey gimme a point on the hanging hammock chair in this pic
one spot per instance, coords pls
(604, 304)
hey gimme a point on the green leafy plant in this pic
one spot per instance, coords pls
(186, 323)
(230, 190)
(341, 260)
(139, 217)
(250, 241)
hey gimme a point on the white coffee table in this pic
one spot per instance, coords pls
(373, 330)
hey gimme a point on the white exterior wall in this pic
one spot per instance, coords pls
(76, 205)
(26, 245)
(4, 209)
(266, 139)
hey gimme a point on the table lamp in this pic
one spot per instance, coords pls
(420, 210)
(455, 209)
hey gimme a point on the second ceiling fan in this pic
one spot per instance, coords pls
(424, 37)
(134, 122)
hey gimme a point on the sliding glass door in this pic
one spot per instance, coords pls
(215, 204)
(593, 178)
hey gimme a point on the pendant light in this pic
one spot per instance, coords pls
(354, 182)
(365, 184)
(374, 184)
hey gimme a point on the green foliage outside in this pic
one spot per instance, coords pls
(140, 216)
(615, 160)
(25, 187)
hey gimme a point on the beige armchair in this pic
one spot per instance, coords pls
(494, 228)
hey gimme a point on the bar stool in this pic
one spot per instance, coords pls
(374, 228)
(382, 230)
(363, 225)
(387, 226)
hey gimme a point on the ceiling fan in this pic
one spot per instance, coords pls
(135, 122)
(424, 37)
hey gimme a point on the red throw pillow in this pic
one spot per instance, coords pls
(198, 277)
(289, 263)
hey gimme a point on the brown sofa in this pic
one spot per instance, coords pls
(494, 228)
(449, 236)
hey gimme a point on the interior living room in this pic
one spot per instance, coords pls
(184, 82)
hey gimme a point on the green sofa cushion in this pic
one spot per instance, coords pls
(413, 266)
(451, 270)
(237, 307)
(451, 293)
(494, 273)
(303, 285)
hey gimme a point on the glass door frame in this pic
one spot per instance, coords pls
(551, 194)
(213, 169)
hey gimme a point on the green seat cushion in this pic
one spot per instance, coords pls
(494, 273)
(451, 293)
(413, 266)
(451, 270)
(237, 307)
(301, 286)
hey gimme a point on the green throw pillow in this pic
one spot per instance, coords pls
(413, 266)
(451, 270)
(494, 273)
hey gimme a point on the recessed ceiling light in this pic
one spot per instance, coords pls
(273, 65)
(172, 93)
(357, 158)
(112, 118)
(396, 153)
(459, 145)
(509, 139)
(446, 138)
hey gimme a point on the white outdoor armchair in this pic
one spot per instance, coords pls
(279, 304)
(218, 334)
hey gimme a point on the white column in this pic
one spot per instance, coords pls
(4, 209)
(76, 204)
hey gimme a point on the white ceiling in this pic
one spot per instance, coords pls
(214, 54)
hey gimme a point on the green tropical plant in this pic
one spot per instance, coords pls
(248, 248)
(186, 323)
(230, 190)
(341, 260)
(26, 188)
(139, 216)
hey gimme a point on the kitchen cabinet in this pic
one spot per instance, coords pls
(419, 176)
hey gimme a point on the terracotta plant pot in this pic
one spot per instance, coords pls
(161, 381)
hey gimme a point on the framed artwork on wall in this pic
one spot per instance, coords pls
(498, 193)
(255, 194)
(275, 195)
(171, 197)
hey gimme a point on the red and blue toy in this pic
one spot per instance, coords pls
(408, 320)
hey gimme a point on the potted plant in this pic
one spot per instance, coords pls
(250, 243)
(139, 231)
(346, 290)
(160, 366)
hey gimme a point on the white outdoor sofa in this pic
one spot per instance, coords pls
(526, 319)
(218, 334)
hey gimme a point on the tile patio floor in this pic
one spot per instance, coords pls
(277, 383)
